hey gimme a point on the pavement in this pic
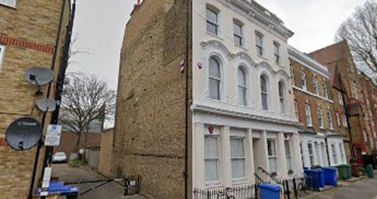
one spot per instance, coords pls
(109, 191)
(363, 189)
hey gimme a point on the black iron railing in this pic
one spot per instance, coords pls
(244, 192)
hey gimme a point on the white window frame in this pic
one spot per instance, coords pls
(244, 88)
(325, 91)
(340, 98)
(6, 2)
(308, 113)
(342, 155)
(282, 97)
(329, 117)
(273, 156)
(277, 53)
(266, 92)
(217, 159)
(311, 155)
(338, 119)
(238, 36)
(320, 118)
(259, 45)
(344, 118)
(213, 23)
(317, 148)
(288, 156)
(315, 84)
(2, 55)
(292, 76)
(240, 157)
(303, 81)
(218, 79)
(296, 110)
(334, 154)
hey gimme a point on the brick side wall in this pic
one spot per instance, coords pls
(29, 34)
(150, 120)
(106, 152)
(68, 141)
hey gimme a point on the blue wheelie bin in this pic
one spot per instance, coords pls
(314, 181)
(269, 191)
(330, 176)
(321, 177)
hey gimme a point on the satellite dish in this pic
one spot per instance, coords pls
(23, 133)
(39, 76)
(46, 105)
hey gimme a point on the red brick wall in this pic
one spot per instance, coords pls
(69, 139)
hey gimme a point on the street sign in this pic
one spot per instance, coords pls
(46, 181)
(53, 135)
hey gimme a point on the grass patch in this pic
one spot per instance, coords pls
(75, 163)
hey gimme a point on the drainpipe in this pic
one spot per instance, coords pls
(187, 100)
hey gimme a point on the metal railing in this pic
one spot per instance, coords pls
(244, 192)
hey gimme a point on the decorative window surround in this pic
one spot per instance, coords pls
(2, 55)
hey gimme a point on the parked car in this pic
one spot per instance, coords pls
(59, 157)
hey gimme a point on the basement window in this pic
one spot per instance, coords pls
(2, 52)
(11, 3)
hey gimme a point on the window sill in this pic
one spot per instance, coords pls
(240, 181)
(262, 57)
(214, 35)
(242, 47)
(213, 185)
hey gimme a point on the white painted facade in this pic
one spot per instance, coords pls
(242, 134)
(318, 149)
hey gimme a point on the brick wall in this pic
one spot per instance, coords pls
(29, 34)
(68, 142)
(150, 121)
(106, 152)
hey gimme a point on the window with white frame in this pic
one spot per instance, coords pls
(238, 33)
(340, 98)
(11, 3)
(338, 119)
(214, 79)
(303, 80)
(334, 155)
(318, 153)
(296, 110)
(272, 156)
(237, 147)
(311, 154)
(315, 84)
(242, 86)
(308, 112)
(342, 155)
(344, 118)
(212, 20)
(281, 97)
(365, 136)
(320, 118)
(277, 52)
(329, 118)
(264, 91)
(2, 53)
(325, 92)
(259, 43)
(324, 154)
(288, 155)
(212, 158)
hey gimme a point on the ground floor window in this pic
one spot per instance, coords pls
(318, 154)
(288, 155)
(272, 156)
(237, 147)
(334, 156)
(324, 154)
(342, 155)
(212, 160)
(311, 154)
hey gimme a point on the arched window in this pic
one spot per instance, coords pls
(282, 97)
(214, 79)
(242, 86)
(264, 92)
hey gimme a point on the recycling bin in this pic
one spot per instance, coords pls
(58, 188)
(344, 171)
(370, 172)
(330, 176)
(314, 178)
(355, 170)
(269, 191)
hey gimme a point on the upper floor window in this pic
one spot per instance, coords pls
(292, 76)
(281, 97)
(303, 80)
(340, 98)
(212, 20)
(238, 33)
(214, 79)
(2, 52)
(344, 118)
(329, 117)
(315, 84)
(308, 112)
(242, 86)
(296, 110)
(325, 92)
(259, 43)
(211, 158)
(11, 3)
(277, 52)
(337, 118)
(264, 91)
(320, 118)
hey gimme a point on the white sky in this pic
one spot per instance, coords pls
(100, 27)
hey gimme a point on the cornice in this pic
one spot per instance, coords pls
(307, 62)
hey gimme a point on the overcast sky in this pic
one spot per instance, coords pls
(100, 27)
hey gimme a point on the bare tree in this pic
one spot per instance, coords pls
(360, 31)
(86, 99)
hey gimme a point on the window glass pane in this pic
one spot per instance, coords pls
(241, 77)
(281, 90)
(238, 168)
(263, 84)
(211, 15)
(214, 68)
(237, 147)
(242, 96)
(211, 155)
(214, 89)
(212, 28)
(237, 29)
(211, 150)
(273, 164)
(211, 170)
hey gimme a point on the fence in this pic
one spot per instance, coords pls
(245, 192)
